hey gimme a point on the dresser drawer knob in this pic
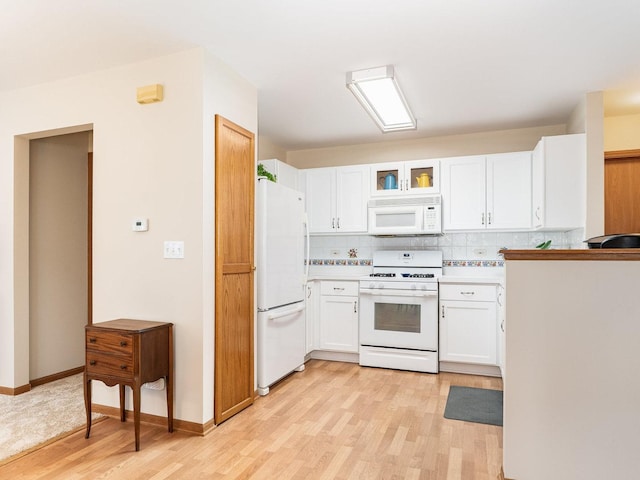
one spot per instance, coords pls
(123, 367)
(123, 343)
(92, 340)
(92, 362)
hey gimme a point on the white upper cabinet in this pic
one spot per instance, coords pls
(463, 193)
(415, 177)
(559, 182)
(509, 191)
(487, 192)
(337, 199)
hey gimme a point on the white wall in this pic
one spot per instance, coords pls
(57, 253)
(434, 147)
(154, 161)
(267, 149)
(572, 389)
(594, 117)
(622, 133)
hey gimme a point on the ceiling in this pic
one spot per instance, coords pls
(465, 65)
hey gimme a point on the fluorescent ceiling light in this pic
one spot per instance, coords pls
(378, 92)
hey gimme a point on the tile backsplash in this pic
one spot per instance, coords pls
(471, 248)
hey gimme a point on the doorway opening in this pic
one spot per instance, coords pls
(60, 171)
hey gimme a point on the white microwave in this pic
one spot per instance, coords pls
(406, 216)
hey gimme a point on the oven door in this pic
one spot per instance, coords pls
(399, 318)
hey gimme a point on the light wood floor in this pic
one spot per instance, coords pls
(332, 421)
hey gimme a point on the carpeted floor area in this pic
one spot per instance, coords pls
(40, 416)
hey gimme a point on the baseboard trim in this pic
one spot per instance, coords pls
(56, 376)
(334, 356)
(182, 425)
(470, 369)
(15, 391)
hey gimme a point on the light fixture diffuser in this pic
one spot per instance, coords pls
(379, 93)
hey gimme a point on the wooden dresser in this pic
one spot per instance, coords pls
(129, 352)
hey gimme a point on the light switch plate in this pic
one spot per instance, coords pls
(173, 249)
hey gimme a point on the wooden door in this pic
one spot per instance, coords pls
(234, 210)
(622, 192)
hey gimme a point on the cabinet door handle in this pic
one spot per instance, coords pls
(338, 223)
(92, 362)
(406, 182)
(309, 290)
(333, 223)
(442, 311)
(489, 218)
(538, 213)
(482, 218)
(92, 340)
(123, 343)
(355, 307)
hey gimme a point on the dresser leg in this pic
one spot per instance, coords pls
(123, 413)
(169, 381)
(136, 414)
(170, 403)
(87, 404)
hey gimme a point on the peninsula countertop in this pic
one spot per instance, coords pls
(594, 254)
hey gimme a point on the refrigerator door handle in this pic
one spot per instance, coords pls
(274, 316)
(306, 229)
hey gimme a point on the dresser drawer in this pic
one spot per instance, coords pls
(109, 342)
(107, 364)
(469, 292)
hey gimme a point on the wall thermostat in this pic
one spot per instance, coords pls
(140, 225)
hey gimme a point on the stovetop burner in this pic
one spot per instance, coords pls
(418, 275)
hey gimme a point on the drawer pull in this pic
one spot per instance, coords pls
(92, 340)
(123, 367)
(123, 343)
(338, 289)
(92, 362)
(467, 293)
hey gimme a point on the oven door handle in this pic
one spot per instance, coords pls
(399, 293)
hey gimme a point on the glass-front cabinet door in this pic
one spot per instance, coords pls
(405, 178)
(423, 176)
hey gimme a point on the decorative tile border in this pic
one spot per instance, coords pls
(473, 263)
(367, 262)
(350, 262)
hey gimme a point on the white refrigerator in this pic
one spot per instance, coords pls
(281, 243)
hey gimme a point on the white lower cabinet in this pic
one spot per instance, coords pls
(468, 324)
(502, 326)
(338, 322)
(312, 314)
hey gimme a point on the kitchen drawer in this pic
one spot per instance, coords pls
(109, 342)
(108, 364)
(339, 288)
(469, 292)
